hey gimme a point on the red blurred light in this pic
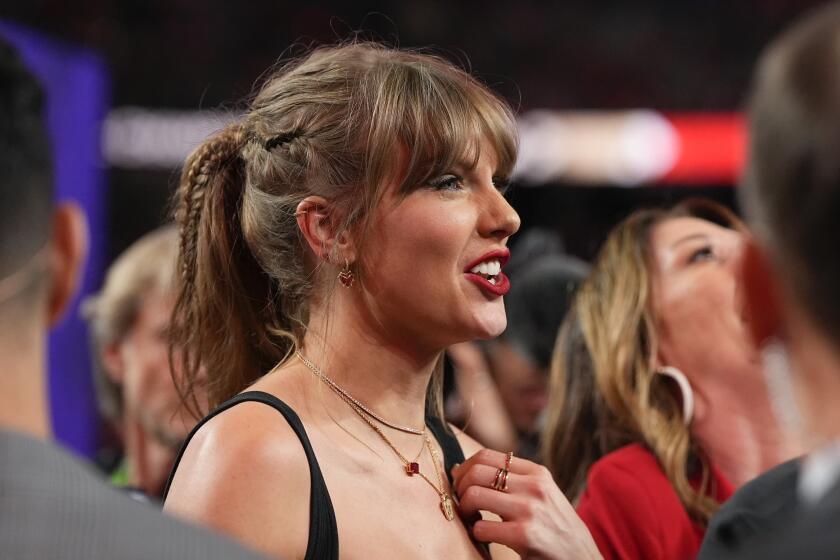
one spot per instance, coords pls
(713, 148)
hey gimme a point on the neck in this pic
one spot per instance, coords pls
(23, 391)
(382, 370)
(134, 443)
(743, 439)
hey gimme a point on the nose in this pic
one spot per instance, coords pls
(498, 220)
(734, 253)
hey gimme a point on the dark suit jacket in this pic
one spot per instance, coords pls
(757, 510)
(813, 535)
(52, 506)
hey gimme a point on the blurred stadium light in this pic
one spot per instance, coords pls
(628, 148)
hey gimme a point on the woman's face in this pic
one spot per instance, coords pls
(696, 298)
(432, 261)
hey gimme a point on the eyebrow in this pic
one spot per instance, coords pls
(691, 237)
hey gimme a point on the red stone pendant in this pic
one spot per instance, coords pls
(412, 468)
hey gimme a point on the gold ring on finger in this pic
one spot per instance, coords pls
(498, 479)
(503, 482)
(508, 459)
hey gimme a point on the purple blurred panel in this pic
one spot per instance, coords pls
(77, 86)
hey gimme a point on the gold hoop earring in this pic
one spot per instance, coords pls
(346, 276)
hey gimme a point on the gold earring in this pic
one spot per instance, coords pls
(346, 276)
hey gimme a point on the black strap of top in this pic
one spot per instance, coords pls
(452, 455)
(323, 532)
(452, 452)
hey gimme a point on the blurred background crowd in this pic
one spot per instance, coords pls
(168, 73)
(621, 106)
(676, 57)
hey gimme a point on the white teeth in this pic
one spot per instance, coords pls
(492, 281)
(487, 268)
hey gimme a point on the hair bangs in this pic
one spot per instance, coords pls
(440, 118)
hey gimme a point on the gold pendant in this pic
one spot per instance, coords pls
(446, 507)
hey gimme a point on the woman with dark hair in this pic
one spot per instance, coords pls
(658, 401)
(333, 243)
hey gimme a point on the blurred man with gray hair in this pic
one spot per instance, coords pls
(129, 321)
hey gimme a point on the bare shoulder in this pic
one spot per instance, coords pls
(469, 446)
(245, 473)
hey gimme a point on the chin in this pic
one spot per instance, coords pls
(490, 327)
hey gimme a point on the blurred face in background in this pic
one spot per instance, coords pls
(522, 385)
(155, 422)
(697, 303)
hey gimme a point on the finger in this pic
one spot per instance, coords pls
(477, 475)
(496, 459)
(506, 506)
(512, 535)
(482, 475)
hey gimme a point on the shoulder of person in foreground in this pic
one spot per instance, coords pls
(631, 509)
(55, 506)
(245, 474)
(756, 511)
(812, 533)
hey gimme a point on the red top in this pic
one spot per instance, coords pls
(633, 512)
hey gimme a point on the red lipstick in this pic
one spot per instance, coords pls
(501, 255)
(502, 285)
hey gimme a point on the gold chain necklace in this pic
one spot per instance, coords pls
(411, 467)
(347, 396)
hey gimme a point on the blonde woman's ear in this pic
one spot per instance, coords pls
(323, 230)
(316, 225)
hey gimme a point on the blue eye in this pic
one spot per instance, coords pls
(446, 183)
(706, 253)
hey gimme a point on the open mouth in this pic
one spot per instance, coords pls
(489, 270)
(487, 274)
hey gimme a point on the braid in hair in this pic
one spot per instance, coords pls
(196, 176)
(209, 171)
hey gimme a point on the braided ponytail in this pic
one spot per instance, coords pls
(220, 313)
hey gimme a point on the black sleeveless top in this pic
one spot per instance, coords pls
(323, 532)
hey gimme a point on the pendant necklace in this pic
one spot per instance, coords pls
(411, 467)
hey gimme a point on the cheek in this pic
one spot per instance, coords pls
(417, 243)
(147, 367)
(700, 324)
(696, 303)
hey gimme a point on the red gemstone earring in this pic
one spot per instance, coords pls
(346, 276)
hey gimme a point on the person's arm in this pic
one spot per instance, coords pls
(245, 474)
(486, 417)
(532, 519)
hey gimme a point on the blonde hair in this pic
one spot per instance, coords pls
(605, 393)
(147, 266)
(331, 124)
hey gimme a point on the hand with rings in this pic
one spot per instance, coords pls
(537, 521)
